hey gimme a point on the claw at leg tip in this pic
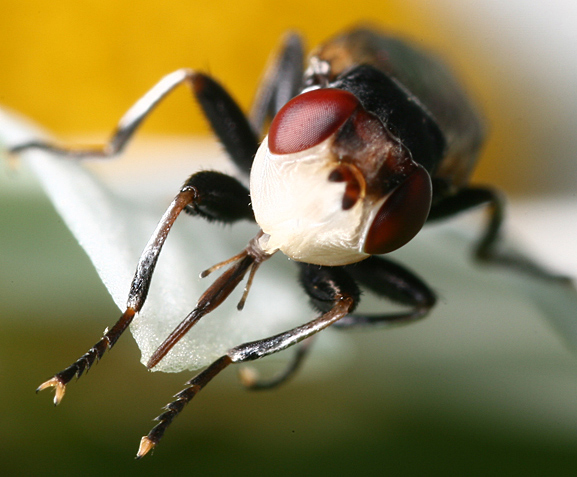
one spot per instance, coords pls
(54, 383)
(146, 445)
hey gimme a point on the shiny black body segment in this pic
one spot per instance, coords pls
(424, 81)
(397, 109)
(419, 103)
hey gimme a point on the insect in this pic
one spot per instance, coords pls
(367, 144)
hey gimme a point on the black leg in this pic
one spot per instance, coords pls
(224, 115)
(281, 82)
(387, 279)
(224, 199)
(331, 288)
(470, 198)
(205, 192)
(250, 380)
(321, 284)
(487, 248)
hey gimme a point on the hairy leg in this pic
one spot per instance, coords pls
(206, 194)
(332, 290)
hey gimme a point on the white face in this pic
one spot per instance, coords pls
(301, 210)
(330, 186)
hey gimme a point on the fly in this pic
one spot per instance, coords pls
(370, 142)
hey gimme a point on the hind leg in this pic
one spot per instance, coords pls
(487, 248)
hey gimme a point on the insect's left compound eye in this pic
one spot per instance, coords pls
(402, 214)
(309, 119)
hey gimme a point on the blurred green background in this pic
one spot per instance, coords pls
(75, 67)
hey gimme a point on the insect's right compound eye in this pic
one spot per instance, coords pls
(402, 215)
(309, 119)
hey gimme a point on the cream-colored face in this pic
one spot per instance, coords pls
(300, 210)
(330, 185)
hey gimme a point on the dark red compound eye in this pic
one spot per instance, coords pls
(402, 215)
(309, 119)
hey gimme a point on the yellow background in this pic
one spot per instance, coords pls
(75, 67)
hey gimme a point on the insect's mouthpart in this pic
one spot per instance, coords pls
(249, 261)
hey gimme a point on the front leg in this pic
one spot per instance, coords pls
(395, 282)
(330, 288)
(320, 284)
(224, 115)
(250, 380)
(380, 275)
(211, 195)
